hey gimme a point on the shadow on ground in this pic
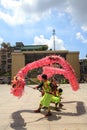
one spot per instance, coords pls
(80, 108)
(20, 124)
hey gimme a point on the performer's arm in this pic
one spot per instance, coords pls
(39, 86)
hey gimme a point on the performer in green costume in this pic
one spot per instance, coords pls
(47, 97)
(57, 92)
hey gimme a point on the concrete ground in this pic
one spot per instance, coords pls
(18, 114)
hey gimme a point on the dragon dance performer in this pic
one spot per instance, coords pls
(57, 92)
(48, 96)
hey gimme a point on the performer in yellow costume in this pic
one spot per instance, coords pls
(47, 97)
(57, 92)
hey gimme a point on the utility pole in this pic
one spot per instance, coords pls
(54, 38)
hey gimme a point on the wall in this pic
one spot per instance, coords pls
(73, 59)
(18, 62)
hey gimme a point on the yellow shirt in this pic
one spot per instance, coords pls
(46, 86)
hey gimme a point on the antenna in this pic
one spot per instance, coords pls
(54, 38)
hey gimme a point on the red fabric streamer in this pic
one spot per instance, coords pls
(50, 71)
(17, 87)
(66, 70)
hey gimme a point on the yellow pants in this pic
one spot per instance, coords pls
(55, 99)
(46, 100)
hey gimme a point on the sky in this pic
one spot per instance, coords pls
(33, 21)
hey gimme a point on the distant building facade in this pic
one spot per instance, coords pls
(5, 60)
(6, 57)
(20, 59)
(83, 70)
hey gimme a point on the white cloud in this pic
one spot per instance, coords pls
(80, 37)
(78, 9)
(10, 4)
(11, 12)
(41, 40)
(21, 11)
(1, 40)
(84, 28)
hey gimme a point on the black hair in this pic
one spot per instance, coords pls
(60, 90)
(44, 76)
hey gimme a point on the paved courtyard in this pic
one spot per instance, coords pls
(18, 114)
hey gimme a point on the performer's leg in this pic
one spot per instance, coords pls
(39, 109)
(48, 112)
(56, 100)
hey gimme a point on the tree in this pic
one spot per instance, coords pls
(86, 56)
(5, 45)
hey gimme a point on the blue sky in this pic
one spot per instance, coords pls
(32, 22)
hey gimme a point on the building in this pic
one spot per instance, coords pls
(83, 70)
(5, 60)
(34, 48)
(20, 59)
(5, 54)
